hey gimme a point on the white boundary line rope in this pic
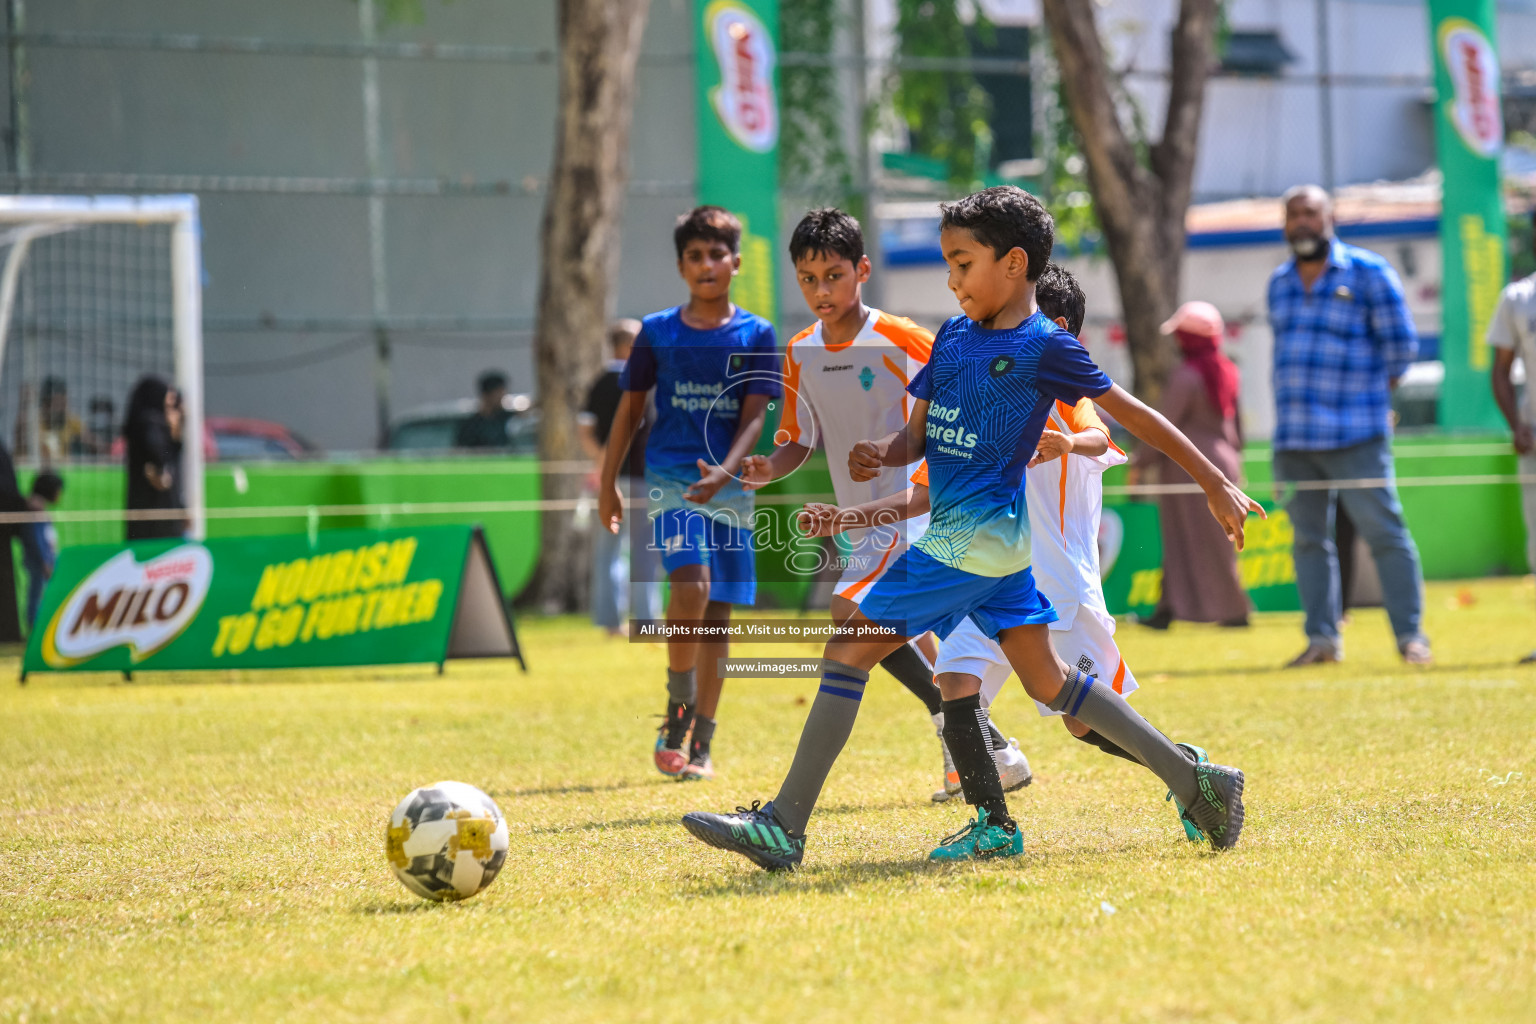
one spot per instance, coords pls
(438, 508)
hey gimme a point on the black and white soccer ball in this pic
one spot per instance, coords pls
(446, 841)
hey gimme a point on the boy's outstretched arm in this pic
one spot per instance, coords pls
(626, 420)
(1054, 445)
(816, 519)
(902, 448)
(754, 413)
(761, 470)
(1228, 503)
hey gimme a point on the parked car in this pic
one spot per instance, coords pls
(237, 439)
(432, 427)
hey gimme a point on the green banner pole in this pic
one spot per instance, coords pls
(738, 118)
(1469, 137)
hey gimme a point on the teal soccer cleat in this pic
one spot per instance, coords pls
(980, 841)
(1191, 830)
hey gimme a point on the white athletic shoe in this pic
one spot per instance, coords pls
(951, 776)
(1012, 767)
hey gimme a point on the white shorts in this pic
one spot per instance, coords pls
(871, 554)
(1089, 646)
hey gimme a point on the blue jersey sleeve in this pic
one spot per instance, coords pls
(922, 383)
(639, 373)
(767, 375)
(1067, 374)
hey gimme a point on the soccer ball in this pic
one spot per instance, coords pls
(446, 841)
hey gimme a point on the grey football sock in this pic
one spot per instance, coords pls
(682, 687)
(1104, 711)
(826, 731)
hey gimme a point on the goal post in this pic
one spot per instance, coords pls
(105, 289)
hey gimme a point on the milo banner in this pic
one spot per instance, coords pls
(352, 597)
(738, 118)
(1131, 559)
(1469, 136)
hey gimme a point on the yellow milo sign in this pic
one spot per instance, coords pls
(339, 593)
(1266, 561)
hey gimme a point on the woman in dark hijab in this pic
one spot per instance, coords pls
(1200, 576)
(153, 433)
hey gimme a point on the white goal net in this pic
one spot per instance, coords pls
(96, 292)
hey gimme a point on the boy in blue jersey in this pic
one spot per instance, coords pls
(715, 367)
(981, 404)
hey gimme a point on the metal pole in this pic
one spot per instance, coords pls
(187, 296)
(1325, 96)
(377, 251)
(21, 128)
(864, 165)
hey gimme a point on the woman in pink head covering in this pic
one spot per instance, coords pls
(1200, 578)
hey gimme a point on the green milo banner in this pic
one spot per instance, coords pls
(1469, 136)
(348, 597)
(1131, 547)
(738, 118)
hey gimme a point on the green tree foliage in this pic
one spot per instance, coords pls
(399, 12)
(813, 161)
(946, 112)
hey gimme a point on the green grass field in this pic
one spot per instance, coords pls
(211, 848)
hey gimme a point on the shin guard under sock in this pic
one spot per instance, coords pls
(682, 687)
(703, 732)
(826, 731)
(1104, 711)
(1095, 740)
(911, 671)
(965, 732)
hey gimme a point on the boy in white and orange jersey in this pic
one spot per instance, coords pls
(845, 379)
(1065, 496)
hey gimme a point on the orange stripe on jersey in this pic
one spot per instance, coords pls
(853, 588)
(916, 342)
(1083, 416)
(1063, 510)
(896, 368)
(789, 422)
(1119, 676)
(920, 475)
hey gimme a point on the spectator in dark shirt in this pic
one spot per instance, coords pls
(10, 501)
(486, 427)
(612, 571)
(153, 432)
(40, 541)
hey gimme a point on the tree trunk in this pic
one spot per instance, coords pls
(1140, 208)
(599, 50)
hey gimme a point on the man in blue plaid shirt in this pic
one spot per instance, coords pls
(1343, 336)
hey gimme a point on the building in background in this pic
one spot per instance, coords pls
(372, 193)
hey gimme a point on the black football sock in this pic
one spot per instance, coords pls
(912, 672)
(826, 731)
(1094, 739)
(682, 691)
(682, 687)
(703, 732)
(1104, 711)
(965, 731)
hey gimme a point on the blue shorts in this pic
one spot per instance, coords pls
(687, 537)
(919, 592)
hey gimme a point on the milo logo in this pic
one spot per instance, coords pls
(1474, 71)
(744, 99)
(125, 603)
